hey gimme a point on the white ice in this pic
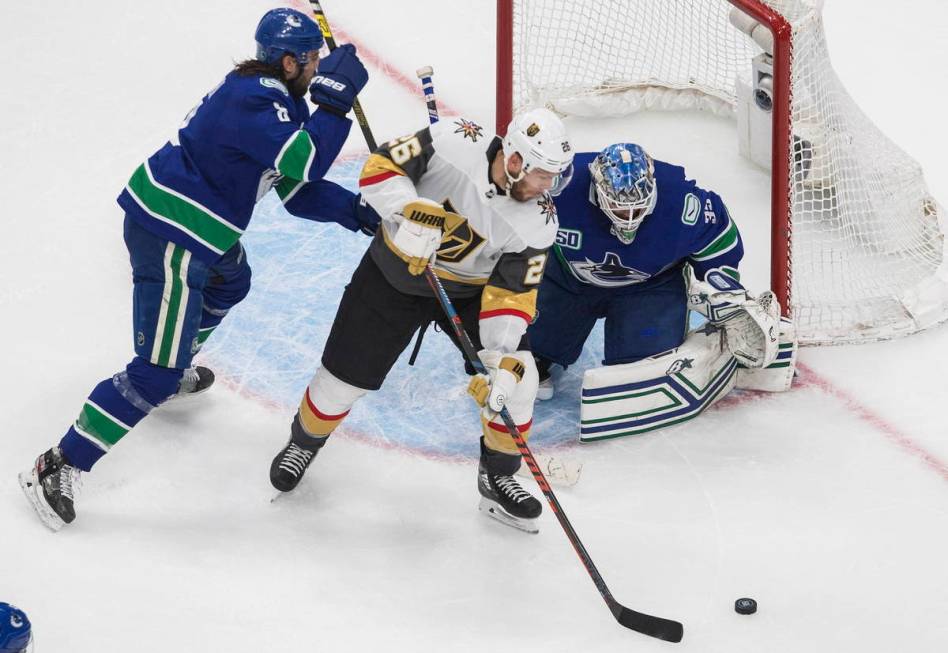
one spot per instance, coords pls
(827, 504)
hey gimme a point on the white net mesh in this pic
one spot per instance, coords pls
(867, 248)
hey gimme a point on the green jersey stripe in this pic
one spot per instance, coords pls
(169, 206)
(296, 156)
(287, 188)
(723, 243)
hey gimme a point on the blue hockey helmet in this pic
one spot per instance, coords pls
(623, 176)
(286, 31)
(15, 631)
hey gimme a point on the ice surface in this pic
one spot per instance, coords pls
(828, 504)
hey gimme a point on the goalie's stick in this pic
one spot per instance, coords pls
(559, 471)
(331, 42)
(666, 629)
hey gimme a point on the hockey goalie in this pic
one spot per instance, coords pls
(641, 246)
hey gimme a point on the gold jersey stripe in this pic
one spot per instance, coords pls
(500, 299)
(378, 164)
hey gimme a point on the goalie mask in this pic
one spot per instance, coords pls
(623, 178)
(15, 632)
(539, 137)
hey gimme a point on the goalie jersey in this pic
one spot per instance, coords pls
(688, 225)
(245, 137)
(498, 249)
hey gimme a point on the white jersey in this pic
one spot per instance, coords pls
(499, 249)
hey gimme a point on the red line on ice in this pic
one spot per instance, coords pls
(810, 377)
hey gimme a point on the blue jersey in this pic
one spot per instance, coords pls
(688, 225)
(245, 137)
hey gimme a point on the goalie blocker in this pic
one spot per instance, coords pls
(677, 385)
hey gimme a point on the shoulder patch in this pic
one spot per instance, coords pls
(469, 129)
(547, 208)
(692, 210)
(269, 82)
(569, 238)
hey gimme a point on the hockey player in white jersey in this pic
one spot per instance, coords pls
(476, 208)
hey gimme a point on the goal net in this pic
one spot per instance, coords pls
(857, 249)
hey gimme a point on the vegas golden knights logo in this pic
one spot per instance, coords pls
(459, 240)
(532, 130)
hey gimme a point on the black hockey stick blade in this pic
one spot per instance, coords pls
(664, 629)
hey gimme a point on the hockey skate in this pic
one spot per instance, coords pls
(288, 467)
(50, 486)
(503, 499)
(195, 380)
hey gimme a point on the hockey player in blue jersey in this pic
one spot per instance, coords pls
(632, 232)
(185, 210)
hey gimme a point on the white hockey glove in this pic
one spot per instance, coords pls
(752, 332)
(750, 325)
(495, 388)
(419, 233)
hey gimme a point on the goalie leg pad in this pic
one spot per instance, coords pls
(663, 390)
(778, 375)
(519, 404)
(326, 402)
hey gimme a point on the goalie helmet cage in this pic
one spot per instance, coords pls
(855, 234)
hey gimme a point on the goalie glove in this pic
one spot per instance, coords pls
(419, 233)
(752, 332)
(494, 389)
(750, 324)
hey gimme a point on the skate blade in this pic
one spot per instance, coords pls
(493, 509)
(30, 488)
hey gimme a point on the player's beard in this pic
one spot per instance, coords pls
(519, 192)
(297, 86)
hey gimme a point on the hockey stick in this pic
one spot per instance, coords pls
(558, 471)
(658, 627)
(665, 629)
(331, 42)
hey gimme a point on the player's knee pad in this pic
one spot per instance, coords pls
(326, 402)
(146, 386)
(229, 280)
(778, 375)
(659, 391)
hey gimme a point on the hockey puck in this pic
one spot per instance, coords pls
(745, 606)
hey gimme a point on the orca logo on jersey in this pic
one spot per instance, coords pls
(609, 272)
(459, 239)
(331, 83)
(679, 365)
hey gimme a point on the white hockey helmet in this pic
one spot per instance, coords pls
(539, 137)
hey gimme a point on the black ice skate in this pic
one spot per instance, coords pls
(50, 487)
(290, 464)
(503, 499)
(196, 380)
